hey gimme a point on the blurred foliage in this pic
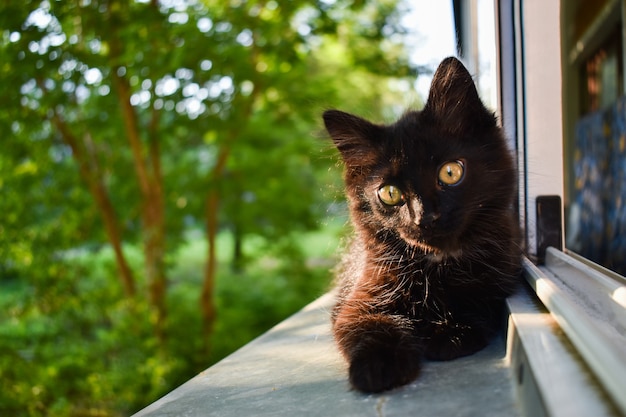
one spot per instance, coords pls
(249, 77)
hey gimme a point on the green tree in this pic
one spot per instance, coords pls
(125, 122)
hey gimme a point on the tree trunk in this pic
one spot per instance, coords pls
(148, 172)
(154, 253)
(207, 297)
(84, 155)
(207, 301)
(237, 248)
(147, 165)
(155, 235)
(115, 239)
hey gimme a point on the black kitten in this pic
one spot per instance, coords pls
(436, 248)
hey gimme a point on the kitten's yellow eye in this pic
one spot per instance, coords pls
(451, 173)
(390, 195)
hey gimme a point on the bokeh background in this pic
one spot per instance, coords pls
(167, 192)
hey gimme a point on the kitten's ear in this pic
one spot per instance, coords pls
(356, 138)
(453, 101)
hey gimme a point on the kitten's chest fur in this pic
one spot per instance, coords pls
(428, 288)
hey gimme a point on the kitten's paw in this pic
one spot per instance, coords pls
(381, 349)
(454, 342)
(377, 369)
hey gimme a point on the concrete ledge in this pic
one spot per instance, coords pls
(295, 370)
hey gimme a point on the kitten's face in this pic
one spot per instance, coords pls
(434, 178)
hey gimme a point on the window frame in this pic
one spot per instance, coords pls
(587, 301)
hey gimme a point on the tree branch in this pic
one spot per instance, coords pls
(91, 175)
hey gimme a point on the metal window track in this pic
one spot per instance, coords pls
(589, 307)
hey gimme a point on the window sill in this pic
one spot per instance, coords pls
(295, 369)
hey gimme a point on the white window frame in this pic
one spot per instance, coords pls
(587, 302)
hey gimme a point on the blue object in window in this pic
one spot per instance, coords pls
(600, 188)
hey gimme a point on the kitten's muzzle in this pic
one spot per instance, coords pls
(428, 221)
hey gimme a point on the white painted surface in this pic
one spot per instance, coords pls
(542, 116)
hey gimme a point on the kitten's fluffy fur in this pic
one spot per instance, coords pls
(435, 249)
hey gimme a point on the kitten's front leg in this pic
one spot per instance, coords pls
(381, 349)
(467, 330)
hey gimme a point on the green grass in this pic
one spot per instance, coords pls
(270, 288)
(70, 341)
